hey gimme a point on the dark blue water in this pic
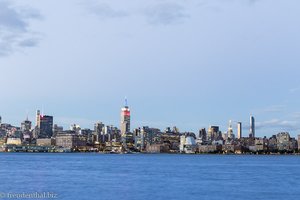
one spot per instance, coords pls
(130, 177)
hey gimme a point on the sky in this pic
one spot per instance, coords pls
(184, 63)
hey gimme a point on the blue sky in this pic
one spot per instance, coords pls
(187, 63)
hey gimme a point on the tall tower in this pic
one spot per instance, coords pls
(230, 130)
(98, 129)
(202, 134)
(239, 130)
(125, 119)
(44, 125)
(252, 127)
(26, 125)
(38, 113)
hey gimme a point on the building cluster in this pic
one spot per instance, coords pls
(48, 137)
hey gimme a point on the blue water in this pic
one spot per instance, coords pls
(130, 177)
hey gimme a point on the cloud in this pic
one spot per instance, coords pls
(31, 42)
(296, 115)
(275, 108)
(105, 11)
(14, 27)
(279, 124)
(165, 14)
(252, 2)
(294, 90)
(271, 109)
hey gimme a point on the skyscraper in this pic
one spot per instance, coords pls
(44, 125)
(252, 127)
(230, 130)
(26, 125)
(98, 132)
(213, 133)
(202, 134)
(98, 127)
(239, 130)
(125, 119)
(37, 119)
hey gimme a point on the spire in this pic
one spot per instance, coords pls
(126, 102)
(27, 115)
(230, 123)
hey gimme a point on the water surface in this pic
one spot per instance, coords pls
(157, 176)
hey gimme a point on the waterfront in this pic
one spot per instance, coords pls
(151, 176)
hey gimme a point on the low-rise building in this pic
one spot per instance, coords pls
(293, 144)
(157, 148)
(283, 141)
(45, 142)
(272, 145)
(70, 140)
(13, 141)
(209, 148)
(187, 144)
(259, 144)
(298, 142)
(228, 148)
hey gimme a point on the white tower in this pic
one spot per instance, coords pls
(239, 130)
(230, 130)
(252, 127)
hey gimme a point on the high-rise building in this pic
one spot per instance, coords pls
(252, 127)
(213, 133)
(76, 128)
(98, 127)
(26, 125)
(239, 130)
(44, 126)
(125, 119)
(37, 119)
(230, 130)
(98, 132)
(202, 134)
(0, 120)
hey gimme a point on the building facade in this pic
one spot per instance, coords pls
(239, 130)
(44, 125)
(252, 127)
(125, 119)
(68, 140)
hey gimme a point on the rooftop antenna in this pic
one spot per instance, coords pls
(27, 114)
(43, 110)
(230, 123)
(126, 102)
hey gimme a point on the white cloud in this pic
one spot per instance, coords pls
(288, 125)
(166, 13)
(294, 90)
(105, 11)
(275, 108)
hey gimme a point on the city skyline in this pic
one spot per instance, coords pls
(48, 137)
(237, 128)
(186, 63)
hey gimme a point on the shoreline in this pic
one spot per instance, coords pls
(139, 153)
